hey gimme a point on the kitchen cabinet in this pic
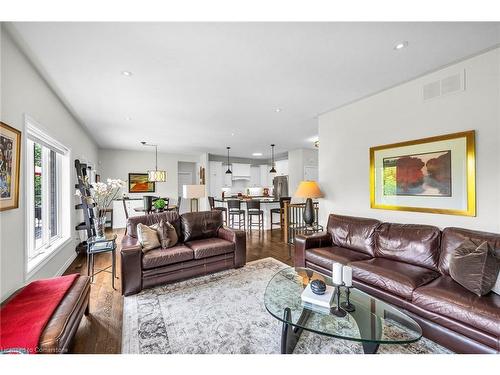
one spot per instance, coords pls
(282, 167)
(119, 219)
(265, 176)
(240, 169)
(254, 176)
(216, 180)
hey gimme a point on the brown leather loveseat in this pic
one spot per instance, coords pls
(205, 246)
(407, 265)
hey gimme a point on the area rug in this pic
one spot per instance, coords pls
(224, 313)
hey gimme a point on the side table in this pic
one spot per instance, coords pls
(98, 245)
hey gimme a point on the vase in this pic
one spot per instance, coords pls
(100, 224)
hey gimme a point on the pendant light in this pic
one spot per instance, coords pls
(228, 169)
(273, 170)
(156, 175)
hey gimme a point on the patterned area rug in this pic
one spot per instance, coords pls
(224, 313)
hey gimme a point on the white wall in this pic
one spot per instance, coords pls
(23, 91)
(297, 160)
(119, 163)
(399, 114)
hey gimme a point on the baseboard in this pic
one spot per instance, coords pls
(66, 265)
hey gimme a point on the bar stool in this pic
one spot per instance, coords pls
(211, 202)
(279, 211)
(253, 209)
(233, 210)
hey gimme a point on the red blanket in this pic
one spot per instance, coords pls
(23, 319)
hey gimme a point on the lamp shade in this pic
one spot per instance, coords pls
(308, 189)
(157, 176)
(193, 191)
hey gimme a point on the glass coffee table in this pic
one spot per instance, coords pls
(373, 322)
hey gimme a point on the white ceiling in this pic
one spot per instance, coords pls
(196, 84)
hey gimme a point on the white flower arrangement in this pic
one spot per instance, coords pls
(102, 195)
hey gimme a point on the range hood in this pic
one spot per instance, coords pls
(241, 171)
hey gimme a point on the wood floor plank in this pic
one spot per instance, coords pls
(101, 331)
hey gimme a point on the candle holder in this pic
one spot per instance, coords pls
(337, 310)
(347, 305)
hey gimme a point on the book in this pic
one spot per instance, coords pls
(321, 300)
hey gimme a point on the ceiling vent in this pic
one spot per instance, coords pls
(448, 85)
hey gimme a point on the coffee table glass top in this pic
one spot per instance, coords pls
(372, 321)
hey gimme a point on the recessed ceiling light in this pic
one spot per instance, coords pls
(257, 154)
(129, 118)
(401, 45)
(278, 110)
(232, 134)
(126, 73)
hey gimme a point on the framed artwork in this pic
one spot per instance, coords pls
(138, 183)
(10, 157)
(435, 175)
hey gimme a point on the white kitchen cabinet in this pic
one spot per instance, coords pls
(119, 219)
(282, 167)
(255, 177)
(216, 181)
(240, 169)
(265, 176)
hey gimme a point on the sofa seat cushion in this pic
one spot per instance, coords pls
(326, 256)
(446, 297)
(161, 257)
(210, 247)
(395, 277)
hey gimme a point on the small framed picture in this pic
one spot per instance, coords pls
(139, 183)
(10, 158)
(435, 175)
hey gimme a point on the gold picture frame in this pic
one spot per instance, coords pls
(10, 160)
(459, 148)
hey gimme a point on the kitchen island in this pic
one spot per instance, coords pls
(266, 204)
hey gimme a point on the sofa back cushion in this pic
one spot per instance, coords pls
(410, 243)
(355, 233)
(168, 216)
(452, 238)
(198, 225)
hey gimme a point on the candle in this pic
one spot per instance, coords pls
(347, 276)
(337, 273)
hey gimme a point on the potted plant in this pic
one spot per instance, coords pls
(159, 204)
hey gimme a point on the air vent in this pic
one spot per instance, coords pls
(448, 85)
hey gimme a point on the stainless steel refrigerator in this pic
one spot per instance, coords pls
(280, 186)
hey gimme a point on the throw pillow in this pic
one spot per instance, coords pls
(475, 266)
(166, 233)
(148, 237)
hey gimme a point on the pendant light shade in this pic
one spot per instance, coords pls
(228, 169)
(273, 169)
(156, 175)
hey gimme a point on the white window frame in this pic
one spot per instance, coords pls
(36, 258)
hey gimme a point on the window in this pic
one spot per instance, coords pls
(47, 195)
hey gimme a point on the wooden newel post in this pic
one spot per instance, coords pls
(286, 221)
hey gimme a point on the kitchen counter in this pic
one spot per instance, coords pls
(243, 200)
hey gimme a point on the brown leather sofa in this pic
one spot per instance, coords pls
(407, 265)
(57, 336)
(205, 246)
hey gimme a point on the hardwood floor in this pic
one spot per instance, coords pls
(101, 331)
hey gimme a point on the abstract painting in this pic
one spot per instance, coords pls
(138, 183)
(10, 152)
(435, 175)
(422, 174)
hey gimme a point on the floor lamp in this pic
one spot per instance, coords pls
(193, 192)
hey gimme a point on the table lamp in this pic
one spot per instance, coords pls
(193, 192)
(308, 190)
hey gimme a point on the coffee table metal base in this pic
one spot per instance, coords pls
(290, 334)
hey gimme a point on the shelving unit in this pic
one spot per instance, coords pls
(88, 208)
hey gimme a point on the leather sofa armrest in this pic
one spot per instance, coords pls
(239, 238)
(304, 242)
(131, 266)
